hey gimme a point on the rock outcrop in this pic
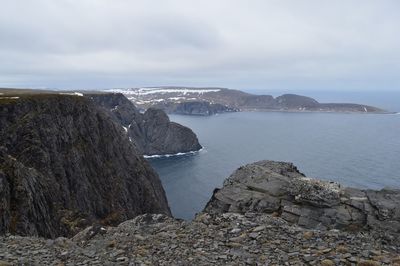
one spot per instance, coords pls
(65, 164)
(152, 132)
(279, 188)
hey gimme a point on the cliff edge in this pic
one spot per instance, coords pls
(64, 165)
(279, 188)
(243, 224)
(152, 132)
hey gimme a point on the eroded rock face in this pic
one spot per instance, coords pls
(279, 188)
(152, 132)
(162, 136)
(65, 164)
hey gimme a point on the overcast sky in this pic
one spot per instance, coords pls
(249, 44)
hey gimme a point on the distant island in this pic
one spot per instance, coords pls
(209, 101)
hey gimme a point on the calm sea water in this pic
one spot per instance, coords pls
(359, 150)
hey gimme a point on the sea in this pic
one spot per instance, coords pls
(357, 150)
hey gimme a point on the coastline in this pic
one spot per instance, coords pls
(316, 111)
(172, 155)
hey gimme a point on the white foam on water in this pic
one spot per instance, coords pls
(171, 155)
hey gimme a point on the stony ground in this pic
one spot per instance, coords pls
(227, 239)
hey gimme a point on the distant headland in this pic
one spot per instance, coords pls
(213, 100)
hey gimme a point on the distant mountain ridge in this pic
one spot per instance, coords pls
(212, 100)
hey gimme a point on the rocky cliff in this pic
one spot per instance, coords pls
(152, 132)
(280, 189)
(64, 164)
(242, 225)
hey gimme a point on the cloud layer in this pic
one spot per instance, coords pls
(258, 44)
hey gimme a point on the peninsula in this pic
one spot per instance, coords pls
(209, 101)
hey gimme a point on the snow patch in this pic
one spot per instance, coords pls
(176, 98)
(156, 90)
(72, 93)
(9, 97)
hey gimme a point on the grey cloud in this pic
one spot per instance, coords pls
(69, 43)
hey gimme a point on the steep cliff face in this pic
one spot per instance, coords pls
(162, 136)
(152, 132)
(65, 164)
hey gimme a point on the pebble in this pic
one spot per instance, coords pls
(259, 228)
(213, 240)
(235, 230)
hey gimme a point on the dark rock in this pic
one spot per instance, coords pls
(201, 108)
(293, 101)
(152, 132)
(65, 164)
(165, 137)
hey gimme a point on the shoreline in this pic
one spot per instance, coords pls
(155, 156)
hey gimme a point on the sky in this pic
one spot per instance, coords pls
(249, 44)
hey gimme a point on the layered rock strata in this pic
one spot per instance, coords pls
(279, 188)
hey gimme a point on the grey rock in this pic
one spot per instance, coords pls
(308, 202)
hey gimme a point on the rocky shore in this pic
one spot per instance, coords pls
(239, 226)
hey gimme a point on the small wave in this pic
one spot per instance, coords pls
(171, 155)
